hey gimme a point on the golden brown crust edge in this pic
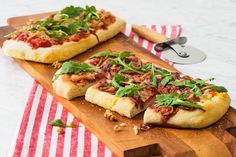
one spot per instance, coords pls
(214, 107)
(22, 50)
(122, 105)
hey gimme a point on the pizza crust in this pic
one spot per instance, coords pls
(214, 107)
(122, 105)
(63, 86)
(22, 50)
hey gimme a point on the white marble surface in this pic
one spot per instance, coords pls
(209, 25)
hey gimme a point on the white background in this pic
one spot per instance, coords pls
(209, 25)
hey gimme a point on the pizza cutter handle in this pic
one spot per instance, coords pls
(149, 34)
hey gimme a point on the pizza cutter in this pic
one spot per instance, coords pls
(173, 50)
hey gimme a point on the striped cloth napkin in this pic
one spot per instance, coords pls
(35, 137)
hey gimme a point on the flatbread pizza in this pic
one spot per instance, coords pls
(121, 82)
(62, 35)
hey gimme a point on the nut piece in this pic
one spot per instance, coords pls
(61, 130)
(56, 65)
(123, 124)
(109, 115)
(136, 130)
(117, 128)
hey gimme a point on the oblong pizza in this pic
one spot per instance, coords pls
(62, 35)
(123, 83)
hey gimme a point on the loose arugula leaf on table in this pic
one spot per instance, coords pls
(117, 80)
(72, 11)
(105, 54)
(72, 67)
(59, 123)
(174, 100)
(216, 88)
(129, 90)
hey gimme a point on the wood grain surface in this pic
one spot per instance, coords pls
(217, 140)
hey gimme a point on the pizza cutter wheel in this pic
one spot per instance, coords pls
(173, 50)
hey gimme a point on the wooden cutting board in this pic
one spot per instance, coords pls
(217, 140)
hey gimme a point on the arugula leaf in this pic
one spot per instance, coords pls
(72, 11)
(146, 67)
(105, 54)
(124, 54)
(46, 23)
(64, 16)
(193, 84)
(216, 88)
(69, 23)
(32, 29)
(59, 123)
(165, 99)
(166, 76)
(201, 82)
(69, 29)
(129, 90)
(153, 76)
(83, 25)
(186, 103)
(59, 34)
(174, 100)
(91, 13)
(127, 67)
(117, 80)
(188, 83)
(72, 29)
(166, 79)
(72, 67)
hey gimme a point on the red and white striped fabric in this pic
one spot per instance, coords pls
(35, 137)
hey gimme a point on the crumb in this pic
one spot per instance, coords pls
(56, 65)
(30, 21)
(109, 115)
(144, 127)
(117, 128)
(136, 130)
(123, 124)
(61, 130)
